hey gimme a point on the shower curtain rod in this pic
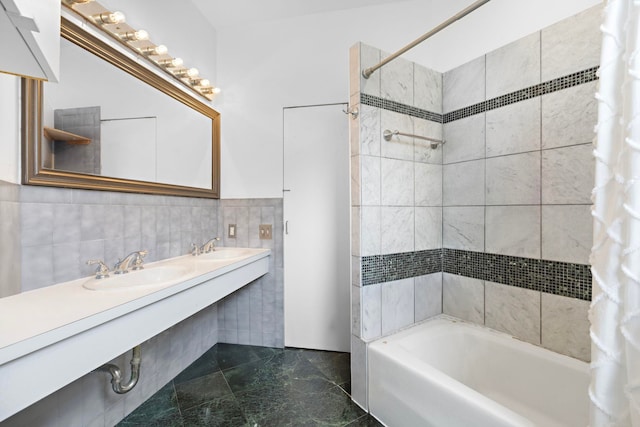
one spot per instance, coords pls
(387, 134)
(366, 73)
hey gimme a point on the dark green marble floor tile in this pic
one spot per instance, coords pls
(336, 366)
(231, 355)
(365, 421)
(205, 365)
(266, 407)
(287, 370)
(333, 407)
(218, 412)
(200, 390)
(161, 409)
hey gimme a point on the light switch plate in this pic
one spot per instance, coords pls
(265, 231)
(232, 231)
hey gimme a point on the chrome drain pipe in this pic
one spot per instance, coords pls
(116, 373)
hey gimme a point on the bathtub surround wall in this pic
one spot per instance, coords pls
(396, 202)
(55, 230)
(515, 176)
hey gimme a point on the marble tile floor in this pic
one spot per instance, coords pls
(238, 385)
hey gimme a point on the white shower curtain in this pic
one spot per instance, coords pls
(615, 257)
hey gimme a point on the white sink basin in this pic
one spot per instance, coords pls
(147, 278)
(224, 254)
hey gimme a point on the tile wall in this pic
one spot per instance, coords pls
(396, 202)
(517, 174)
(56, 230)
(495, 226)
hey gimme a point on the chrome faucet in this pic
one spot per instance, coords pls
(102, 272)
(133, 260)
(210, 246)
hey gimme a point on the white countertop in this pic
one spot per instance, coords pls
(34, 319)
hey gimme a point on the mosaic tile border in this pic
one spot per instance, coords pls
(564, 82)
(553, 277)
(385, 104)
(387, 268)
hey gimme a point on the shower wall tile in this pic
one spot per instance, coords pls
(571, 44)
(359, 372)
(463, 228)
(465, 139)
(354, 70)
(565, 326)
(567, 233)
(397, 305)
(397, 182)
(428, 184)
(427, 89)
(514, 128)
(371, 311)
(397, 224)
(356, 313)
(513, 180)
(370, 180)
(463, 297)
(399, 147)
(369, 56)
(369, 131)
(568, 175)
(370, 231)
(513, 230)
(464, 85)
(428, 228)
(463, 183)
(514, 66)
(428, 296)
(422, 149)
(396, 80)
(569, 116)
(515, 311)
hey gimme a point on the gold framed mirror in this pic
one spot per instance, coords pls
(46, 144)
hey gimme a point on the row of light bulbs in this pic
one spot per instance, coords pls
(174, 66)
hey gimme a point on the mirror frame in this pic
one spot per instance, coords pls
(32, 133)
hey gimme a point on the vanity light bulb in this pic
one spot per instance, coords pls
(193, 72)
(141, 35)
(216, 90)
(109, 18)
(161, 50)
(204, 83)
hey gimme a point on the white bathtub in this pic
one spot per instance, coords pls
(449, 373)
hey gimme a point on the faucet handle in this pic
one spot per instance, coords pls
(137, 262)
(195, 249)
(102, 272)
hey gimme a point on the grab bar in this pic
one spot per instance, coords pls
(388, 134)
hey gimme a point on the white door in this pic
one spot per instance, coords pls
(317, 235)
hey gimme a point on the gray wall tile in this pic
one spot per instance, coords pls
(399, 147)
(396, 80)
(463, 228)
(559, 57)
(463, 183)
(565, 326)
(397, 182)
(567, 233)
(428, 296)
(359, 371)
(514, 128)
(428, 223)
(397, 305)
(428, 184)
(397, 234)
(422, 149)
(371, 311)
(464, 85)
(513, 180)
(463, 297)
(568, 175)
(369, 131)
(465, 139)
(569, 116)
(514, 66)
(427, 89)
(515, 311)
(513, 230)
(369, 56)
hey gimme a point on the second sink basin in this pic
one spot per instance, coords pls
(224, 254)
(149, 277)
